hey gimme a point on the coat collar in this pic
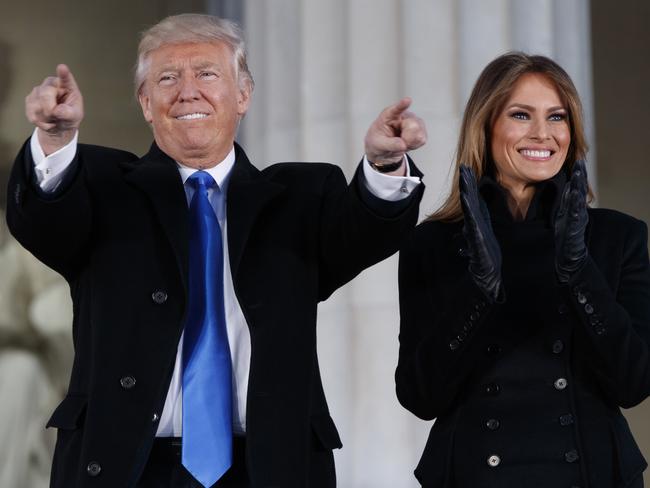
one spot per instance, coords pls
(249, 191)
(156, 174)
(543, 206)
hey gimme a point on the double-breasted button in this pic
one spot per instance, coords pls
(560, 383)
(589, 309)
(558, 346)
(493, 461)
(493, 349)
(159, 297)
(566, 419)
(454, 344)
(93, 469)
(571, 456)
(127, 382)
(155, 417)
(492, 389)
(492, 424)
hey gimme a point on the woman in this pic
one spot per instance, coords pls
(525, 315)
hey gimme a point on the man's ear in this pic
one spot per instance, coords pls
(243, 99)
(145, 104)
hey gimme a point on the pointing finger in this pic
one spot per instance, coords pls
(394, 111)
(66, 78)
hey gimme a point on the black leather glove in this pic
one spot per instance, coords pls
(570, 223)
(483, 248)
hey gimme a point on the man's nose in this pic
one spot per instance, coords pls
(188, 89)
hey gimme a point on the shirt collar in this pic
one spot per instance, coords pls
(220, 172)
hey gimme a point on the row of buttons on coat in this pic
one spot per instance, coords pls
(559, 384)
(470, 321)
(128, 382)
(564, 420)
(495, 389)
(570, 457)
(594, 318)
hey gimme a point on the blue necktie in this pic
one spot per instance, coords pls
(207, 387)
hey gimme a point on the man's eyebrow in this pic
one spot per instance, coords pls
(207, 64)
(167, 67)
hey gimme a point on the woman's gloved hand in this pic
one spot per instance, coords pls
(570, 223)
(483, 248)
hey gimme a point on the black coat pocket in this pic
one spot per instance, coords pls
(70, 413)
(325, 434)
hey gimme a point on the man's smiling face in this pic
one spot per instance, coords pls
(193, 101)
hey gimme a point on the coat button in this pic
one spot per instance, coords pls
(558, 347)
(154, 417)
(493, 424)
(93, 469)
(493, 461)
(473, 317)
(560, 383)
(454, 344)
(566, 419)
(159, 297)
(581, 299)
(127, 382)
(492, 389)
(571, 456)
(589, 309)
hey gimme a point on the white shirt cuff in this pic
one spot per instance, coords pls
(388, 187)
(50, 170)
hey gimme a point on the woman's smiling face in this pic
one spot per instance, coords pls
(531, 135)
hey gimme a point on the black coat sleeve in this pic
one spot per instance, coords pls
(358, 229)
(614, 322)
(55, 227)
(441, 326)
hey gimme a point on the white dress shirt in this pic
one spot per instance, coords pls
(49, 171)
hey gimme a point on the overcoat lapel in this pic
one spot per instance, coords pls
(248, 193)
(156, 174)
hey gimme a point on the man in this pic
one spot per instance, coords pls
(194, 328)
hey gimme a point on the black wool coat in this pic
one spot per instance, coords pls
(117, 230)
(527, 392)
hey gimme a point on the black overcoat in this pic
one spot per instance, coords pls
(526, 393)
(117, 231)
